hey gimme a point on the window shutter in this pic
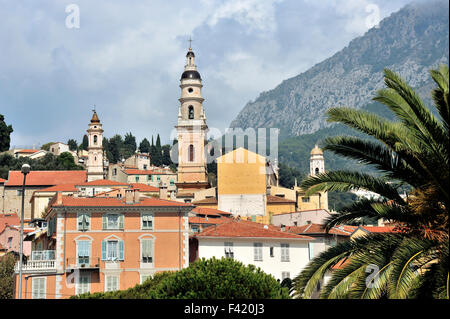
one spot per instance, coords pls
(103, 250)
(121, 221)
(80, 221)
(121, 250)
(104, 222)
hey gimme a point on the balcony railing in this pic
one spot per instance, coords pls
(43, 255)
(37, 266)
(88, 263)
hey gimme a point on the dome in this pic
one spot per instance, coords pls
(190, 54)
(316, 151)
(95, 118)
(191, 75)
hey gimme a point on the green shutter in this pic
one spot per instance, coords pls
(121, 250)
(80, 221)
(103, 250)
(104, 222)
(121, 221)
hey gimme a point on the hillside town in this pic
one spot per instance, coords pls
(112, 226)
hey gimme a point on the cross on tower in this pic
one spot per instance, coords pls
(190, 43)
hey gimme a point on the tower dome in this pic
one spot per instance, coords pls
(316, 151)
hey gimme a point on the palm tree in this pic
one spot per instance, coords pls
(411, 152)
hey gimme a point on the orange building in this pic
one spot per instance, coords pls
(99, 244)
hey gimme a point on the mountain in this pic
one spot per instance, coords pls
(410, 42)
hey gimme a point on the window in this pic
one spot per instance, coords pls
(83, 284)
(158, 178)
(112, 283)
(191, 112)
(317, 170)
(195, 228)
(145, 166)
(112, 250)
(229, 253)
(113, 221)
(19, 192)
(95, 139)
(84, 220)
(285, 274)
(284, 252)
(147, 250)
(257, 249)
(271, 252)
(311, 250)
(83, 252)
(191, 153)
(114, 171)
(172, 182)
(38, 288)
(305, 199)
(147, 221)
(137, 179)
(10, 242)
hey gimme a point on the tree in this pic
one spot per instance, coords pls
(66, 161)
(412, 151)
(72, 145)
(85, 144)
(5, 134)
(7, 263)
(115, 148)
(205, 279)
(129, 145)
(46, 146)
(144, 146)
(166, 160)
(157, 158)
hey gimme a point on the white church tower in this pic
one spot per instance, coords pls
(316, 162)
(95, 150)
(191, 130)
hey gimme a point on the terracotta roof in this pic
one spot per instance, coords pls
(379, 229)
(209, 211)
(59, 188)
(112, 201)
(317, 229)
(102, 182)
(185, 195)
(139, 172)
(210, 200)
(279, 200)
(28, 151)
(203, 220)
(8, 219)
(145, 188)
(246, 229)
(46, 178)
(2, 180)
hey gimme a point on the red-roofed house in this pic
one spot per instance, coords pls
(364, 230)
(279, 253)
(36, 180)
(107, 244)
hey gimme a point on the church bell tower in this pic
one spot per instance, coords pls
(94, 163)
(191, 130)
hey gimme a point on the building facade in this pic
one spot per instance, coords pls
(104, 244)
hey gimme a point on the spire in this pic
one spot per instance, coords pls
(95, 117)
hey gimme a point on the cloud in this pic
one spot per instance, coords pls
(127, 58)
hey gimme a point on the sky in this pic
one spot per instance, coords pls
(60, 58)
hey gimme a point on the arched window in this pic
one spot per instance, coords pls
(317, 170)
(191, 153)
(191, 112)
(95, 139)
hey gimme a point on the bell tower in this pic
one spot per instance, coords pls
(317, 161)
(191, 130)
(94, 163)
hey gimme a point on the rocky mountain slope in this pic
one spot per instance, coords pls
(410, 42)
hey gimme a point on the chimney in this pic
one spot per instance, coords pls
(162, 191)
(58, 198)
(129, 196)
(137, 195)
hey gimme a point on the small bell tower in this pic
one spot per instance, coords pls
(94, 163)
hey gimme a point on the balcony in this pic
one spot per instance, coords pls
(42, 261)
(82, 263)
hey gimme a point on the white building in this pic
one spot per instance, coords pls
(279, 253)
